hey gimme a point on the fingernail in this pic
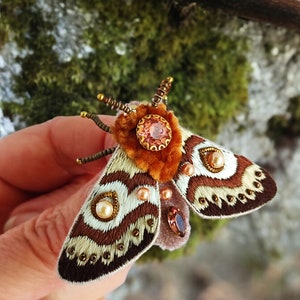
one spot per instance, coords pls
(17, 220)
(9, 224)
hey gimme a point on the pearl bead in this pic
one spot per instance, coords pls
(216, 159)
(104, 209)
(213, 159)
(143, 194)
(166, 194)
(188, 169)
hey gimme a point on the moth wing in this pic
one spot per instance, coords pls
(94, 247)
(239, 188)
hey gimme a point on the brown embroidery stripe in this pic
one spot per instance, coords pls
(261, 198)
(189, 146)
(131, 183)
(109, 237)
(232, 182)
(69, 269)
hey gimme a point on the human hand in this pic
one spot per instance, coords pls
(41, 191)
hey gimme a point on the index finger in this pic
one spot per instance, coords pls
(41, 158)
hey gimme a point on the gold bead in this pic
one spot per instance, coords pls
(249, 192)
(79, 161)
(241, 196)
(202, 200)
(120, 246)
(100, 97)
(106, 255)
(150, 222)
(230, 198)
(83, 114)
(82, 256)
(135, 232)
(257, 184)
(215, 198)
(170, 79)
(258, 173)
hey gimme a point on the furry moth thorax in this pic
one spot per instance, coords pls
(157, 172)
(152, 138)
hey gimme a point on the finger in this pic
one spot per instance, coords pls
(37, 205)
(42, 157)
(28, 269)
(90, 291)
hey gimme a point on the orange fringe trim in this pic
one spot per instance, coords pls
(161, 165)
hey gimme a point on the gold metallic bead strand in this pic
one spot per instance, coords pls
(96, 156)
(162, 91)
(114, 104)
(96, 120)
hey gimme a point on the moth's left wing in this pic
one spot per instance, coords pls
(219, 184)
(95, 246)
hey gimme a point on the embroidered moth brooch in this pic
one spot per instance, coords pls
(156, 173)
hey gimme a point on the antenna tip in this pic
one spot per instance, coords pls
(83, 114)
(79, 161)
(100, 97)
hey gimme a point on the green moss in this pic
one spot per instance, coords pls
(209, 68)
(135, 45)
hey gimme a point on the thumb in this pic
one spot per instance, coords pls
(29, 252)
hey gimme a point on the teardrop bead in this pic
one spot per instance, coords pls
(176, 221)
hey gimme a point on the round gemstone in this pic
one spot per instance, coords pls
(157, 130)
(176, 221)
(154, 132)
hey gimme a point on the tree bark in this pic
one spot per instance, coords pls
(284, 13)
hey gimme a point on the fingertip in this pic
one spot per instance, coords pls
(18, 219)
(76, 137)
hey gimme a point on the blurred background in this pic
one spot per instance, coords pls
(236, 81)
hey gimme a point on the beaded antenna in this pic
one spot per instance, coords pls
(157, 172)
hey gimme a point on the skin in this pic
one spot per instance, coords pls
(41, 191)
